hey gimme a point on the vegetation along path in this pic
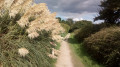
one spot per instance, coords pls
(65, 59)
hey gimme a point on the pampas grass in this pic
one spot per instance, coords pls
(44, 19)
(33, 35)
(23, 52)
(18, 30)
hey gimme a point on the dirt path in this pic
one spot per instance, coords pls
(64, 59)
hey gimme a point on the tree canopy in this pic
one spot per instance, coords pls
(109, 12)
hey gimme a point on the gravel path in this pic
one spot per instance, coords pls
(64, 59)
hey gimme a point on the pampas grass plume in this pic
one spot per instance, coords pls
(23, 52)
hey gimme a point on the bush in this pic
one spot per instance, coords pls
(104, 46)
(66, 27)
(86, 31)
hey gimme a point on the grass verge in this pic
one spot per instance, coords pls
(63, 34)
(78, 49)
(57, 47)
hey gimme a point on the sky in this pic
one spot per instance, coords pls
(76, 9)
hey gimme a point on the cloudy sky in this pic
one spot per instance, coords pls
(76, 9)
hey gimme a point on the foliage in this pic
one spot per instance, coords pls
(59, 19)
(73, 24)
(70, 22)
(80, 24)
(110, 11)
(104, 46)
(66, 27)
(87, 30)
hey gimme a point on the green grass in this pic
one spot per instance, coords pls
(63, 34)
(55, 60)
(80, 51)
(58, 46)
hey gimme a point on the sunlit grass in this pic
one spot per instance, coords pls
(80, 51)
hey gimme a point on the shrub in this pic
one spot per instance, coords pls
(66, 27)
(104, 46)
(86, 31)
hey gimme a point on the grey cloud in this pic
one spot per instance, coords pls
(73, 6)
(52, 4)
(80, 6)
(70, 8)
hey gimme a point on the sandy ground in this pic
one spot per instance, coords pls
(67, 57)
(64, 59)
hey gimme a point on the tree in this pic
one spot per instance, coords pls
(80, 24)
(109, 12)
(70, 22)
(59, 19)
